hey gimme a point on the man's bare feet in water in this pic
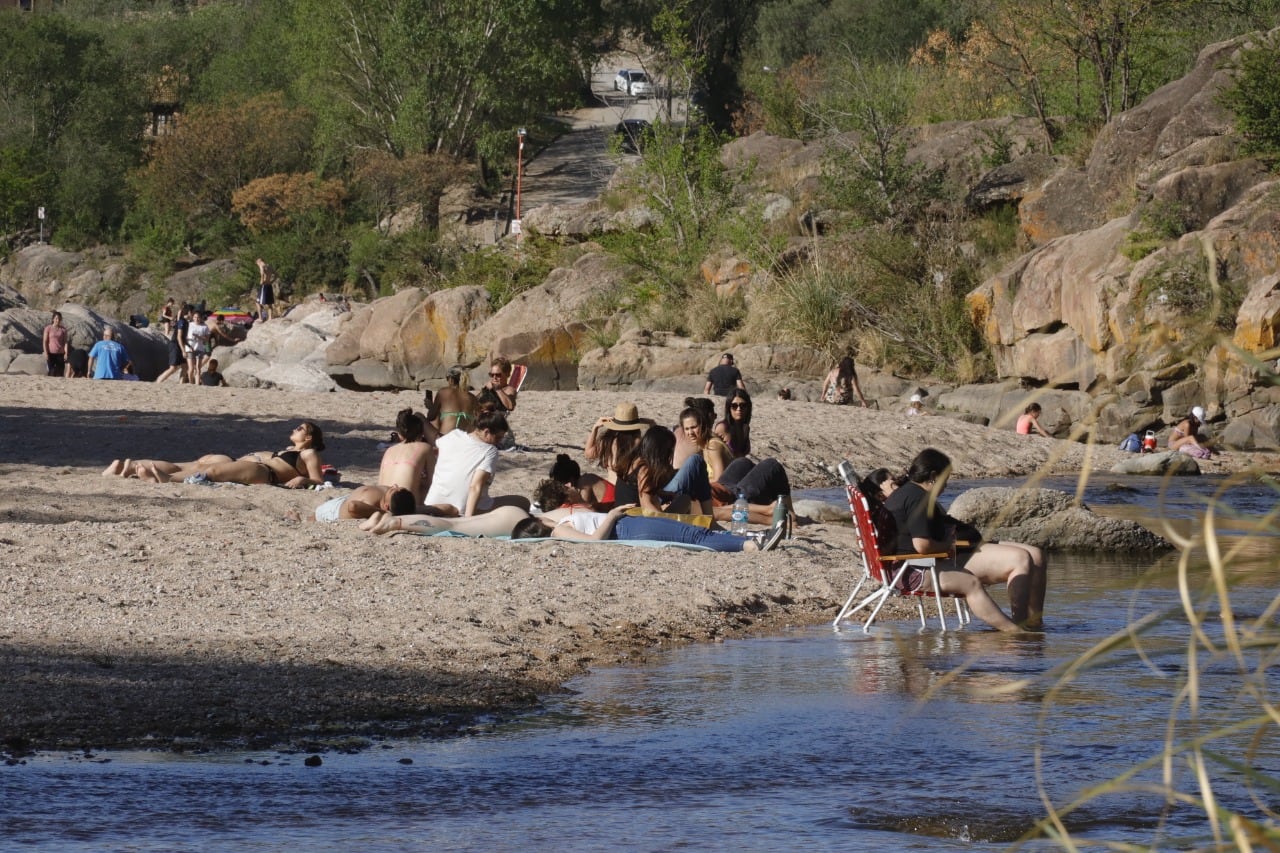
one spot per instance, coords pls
(382, 523)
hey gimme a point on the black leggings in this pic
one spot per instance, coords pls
(762, 482)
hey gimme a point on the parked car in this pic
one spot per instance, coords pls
(633, 82)
(633, 134)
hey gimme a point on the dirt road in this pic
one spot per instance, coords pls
(576, 166)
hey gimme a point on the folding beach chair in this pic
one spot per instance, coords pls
(518, 373)
(884, 572)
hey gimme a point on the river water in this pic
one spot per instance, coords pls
(808, 740)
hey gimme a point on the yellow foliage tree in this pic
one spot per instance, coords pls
(278, 201)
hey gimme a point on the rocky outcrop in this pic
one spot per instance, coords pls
(546, 327)
(658, 361)
(1136, 318)
(1178, 126)
(288, 352)
(46, 277)
(22, 330)
(407, 340)
(1050, 519)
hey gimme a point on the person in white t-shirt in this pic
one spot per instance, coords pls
(197, 345)
(465, 468)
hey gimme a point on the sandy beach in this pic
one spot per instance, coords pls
(200, 616)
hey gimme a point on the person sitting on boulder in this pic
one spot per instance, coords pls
(1030, 420)
(1185, 436)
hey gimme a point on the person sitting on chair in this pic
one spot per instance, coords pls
(925, 528)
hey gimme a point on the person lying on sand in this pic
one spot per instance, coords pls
(575, 523)
(365, 501)
(498, 522)
(297, 466)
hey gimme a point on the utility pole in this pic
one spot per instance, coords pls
(516, 227)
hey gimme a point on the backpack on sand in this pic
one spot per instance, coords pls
(1132, 443)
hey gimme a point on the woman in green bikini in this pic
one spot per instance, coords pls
(453, 407)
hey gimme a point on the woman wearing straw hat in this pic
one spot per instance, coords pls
(613, 442)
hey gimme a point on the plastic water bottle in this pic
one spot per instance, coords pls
(738, 521)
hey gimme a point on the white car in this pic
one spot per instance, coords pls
(634, 83)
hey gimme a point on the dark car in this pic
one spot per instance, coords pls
(633, 134)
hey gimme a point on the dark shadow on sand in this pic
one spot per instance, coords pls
(111, 699)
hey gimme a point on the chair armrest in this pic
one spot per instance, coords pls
(893, 558)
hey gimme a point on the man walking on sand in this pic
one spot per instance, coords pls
(108, 357)
(724, 377)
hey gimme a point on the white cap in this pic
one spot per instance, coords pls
(916, 398)
(1197, 412)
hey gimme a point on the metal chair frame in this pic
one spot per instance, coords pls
(876, 566)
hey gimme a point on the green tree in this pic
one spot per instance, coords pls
(866, 112)
(215, 150)
(1254, 97)
(71, 119)
(436, 76)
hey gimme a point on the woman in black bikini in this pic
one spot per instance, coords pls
(295, 467)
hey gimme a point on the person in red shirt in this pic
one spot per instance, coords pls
(55, 346)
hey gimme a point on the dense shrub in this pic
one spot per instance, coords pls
(1255, 98)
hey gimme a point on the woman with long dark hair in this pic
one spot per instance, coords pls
(841, 384)
(924, 527)
(651, 482)
(735, 427)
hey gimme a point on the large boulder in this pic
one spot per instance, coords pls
(1167, 463)
(1010, 182)
(1000, 404)
(39, 273)
(1050, 519)
(288, 352)
(407, 340)
(547, 326)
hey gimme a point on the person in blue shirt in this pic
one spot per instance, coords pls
(108, 357)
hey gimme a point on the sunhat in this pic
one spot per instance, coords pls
(916, 398)
(1197, 412)
(625, 419)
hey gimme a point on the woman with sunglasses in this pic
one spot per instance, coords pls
(765, 484)
(735, 429)
(498, 390)
(297, 466)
